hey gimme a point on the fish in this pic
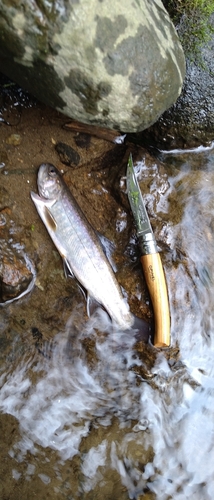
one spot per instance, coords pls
(81, 250)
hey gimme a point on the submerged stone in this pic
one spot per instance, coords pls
(17, 274)
(101, 63)
(67, 154)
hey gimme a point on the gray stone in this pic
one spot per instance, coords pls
(113, 64)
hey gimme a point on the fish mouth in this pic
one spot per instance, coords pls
(36, 197)
(40, 199)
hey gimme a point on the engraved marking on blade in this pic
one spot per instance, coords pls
(140, 214)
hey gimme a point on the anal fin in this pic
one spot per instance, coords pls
(67, 269)
(70, 274)
(143, 329)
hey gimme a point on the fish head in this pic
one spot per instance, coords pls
(49, 181)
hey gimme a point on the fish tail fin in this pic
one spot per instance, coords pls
(143, 328)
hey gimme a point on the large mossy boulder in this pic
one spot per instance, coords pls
(113, 64)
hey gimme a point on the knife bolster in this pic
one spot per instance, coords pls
(156, 283)
(147, 243)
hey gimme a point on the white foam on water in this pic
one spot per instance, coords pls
(56, 410)
(55, 401)
(94, 459)
(198, 149)
(15, 474)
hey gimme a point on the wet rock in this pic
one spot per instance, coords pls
(190, 121)
(67, 154)
(95, 62)
(15, 277)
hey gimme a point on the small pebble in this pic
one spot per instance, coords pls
(14, 139)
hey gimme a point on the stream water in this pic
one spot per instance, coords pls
(87, 412)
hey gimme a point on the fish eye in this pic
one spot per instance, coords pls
(52, 171)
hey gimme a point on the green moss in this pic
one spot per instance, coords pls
(192, 21)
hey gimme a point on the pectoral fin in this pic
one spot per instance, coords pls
(50, 219)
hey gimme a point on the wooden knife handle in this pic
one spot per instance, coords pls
(156, 283)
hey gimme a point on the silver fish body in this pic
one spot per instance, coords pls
(79, 245)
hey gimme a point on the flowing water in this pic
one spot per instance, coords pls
(88, 412)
